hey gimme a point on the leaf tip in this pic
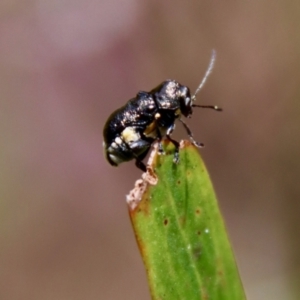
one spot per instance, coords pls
(149, 177)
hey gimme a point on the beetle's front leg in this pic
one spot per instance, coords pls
(197, 144)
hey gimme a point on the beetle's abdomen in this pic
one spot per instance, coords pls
(123, 131)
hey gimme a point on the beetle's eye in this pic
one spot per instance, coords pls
(187, 101)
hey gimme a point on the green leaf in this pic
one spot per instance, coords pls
(180, 231)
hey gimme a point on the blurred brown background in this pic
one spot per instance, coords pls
(66, 65)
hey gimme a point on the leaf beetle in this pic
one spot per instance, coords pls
(130, 131)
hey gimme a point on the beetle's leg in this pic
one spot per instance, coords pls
(138, 158)
(197, 144)
(160, 147)
(139, 161)
(140, 165)
(175, 143)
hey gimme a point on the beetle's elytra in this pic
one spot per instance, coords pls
(130, 131)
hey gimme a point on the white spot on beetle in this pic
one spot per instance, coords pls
(114, 145)
(118, 140)
(187, 101)
(157, 116)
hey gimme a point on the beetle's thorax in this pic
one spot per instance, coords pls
(172, 96)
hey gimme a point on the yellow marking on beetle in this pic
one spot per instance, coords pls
(177, 112)
(150, 130)
(130, 135)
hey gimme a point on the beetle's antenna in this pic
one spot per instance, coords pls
(208, 71)
(215, 107)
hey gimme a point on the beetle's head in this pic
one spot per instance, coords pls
(185, 100)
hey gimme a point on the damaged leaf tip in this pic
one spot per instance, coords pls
(180, 230)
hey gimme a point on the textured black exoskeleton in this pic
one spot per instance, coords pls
(130, 131)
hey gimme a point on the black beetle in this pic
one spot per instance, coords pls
(130, 131)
